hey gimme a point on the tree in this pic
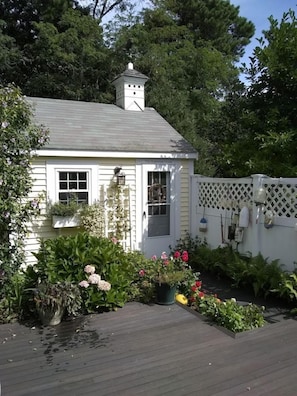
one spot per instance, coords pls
(18, 140)
(189, 75)
(69, 61)
(266, 117)
(101, 8)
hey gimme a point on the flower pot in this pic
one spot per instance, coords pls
(50, 317)
(165, 293)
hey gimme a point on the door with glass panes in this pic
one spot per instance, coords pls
(158, 209)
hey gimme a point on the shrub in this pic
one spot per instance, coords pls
(64, 259)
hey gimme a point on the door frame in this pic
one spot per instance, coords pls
(142, 167)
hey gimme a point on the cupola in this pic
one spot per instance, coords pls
(130, 89)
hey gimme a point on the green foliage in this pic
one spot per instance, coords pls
(18, 140)
(264, 115)
(92, 219)
(63, 259)
(173, 270)
(287, 287)
(229, 314)
(64, 209)
(48, 296)
(264, 277)
(11, 305)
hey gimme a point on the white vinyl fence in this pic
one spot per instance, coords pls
(254, 215)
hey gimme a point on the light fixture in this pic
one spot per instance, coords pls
(120, 176)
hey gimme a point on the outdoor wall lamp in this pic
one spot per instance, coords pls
(120, 176)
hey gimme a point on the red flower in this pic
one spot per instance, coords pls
(198, 283)
(193, 288)
(201, 294)
(185, 256)
(177, 254)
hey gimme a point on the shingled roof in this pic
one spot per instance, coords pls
(76, 125)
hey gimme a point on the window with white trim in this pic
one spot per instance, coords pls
(68, 180)
(73, 185)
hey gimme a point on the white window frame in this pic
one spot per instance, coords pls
(53, 167)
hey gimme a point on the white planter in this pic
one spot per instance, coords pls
(65, 221)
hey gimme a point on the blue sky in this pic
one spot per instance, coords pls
(258, 11)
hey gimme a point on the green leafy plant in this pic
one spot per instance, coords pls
(92, 219)
(19, 138)
(63, 259)
(64, 209)
(230, 315)
(61, 294)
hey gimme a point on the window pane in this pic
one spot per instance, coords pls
(63, 186)
(63, 175)
(82, 175)
(82, 185)
(72, 185)
(72, 176)
(82, 197)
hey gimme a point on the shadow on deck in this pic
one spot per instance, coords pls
(147, 350)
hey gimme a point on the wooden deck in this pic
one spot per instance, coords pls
(147, 350)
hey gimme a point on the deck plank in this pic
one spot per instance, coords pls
(146, 350)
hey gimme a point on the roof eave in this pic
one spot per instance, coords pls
(113, 154)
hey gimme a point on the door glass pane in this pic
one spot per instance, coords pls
(158, 204)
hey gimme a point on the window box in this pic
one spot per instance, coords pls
(65, 221)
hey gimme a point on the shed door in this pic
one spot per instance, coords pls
(158, 209)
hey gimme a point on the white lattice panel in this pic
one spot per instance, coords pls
(281, 198)
(224, 195)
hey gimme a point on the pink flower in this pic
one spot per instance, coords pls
(114, 240)
(154, 257)
(90, 269)
(94, 279)
(103, 285)
(185, 256)
(166, 262)
(164, 256)
(84, 284)
(141, 272)
(176, 255)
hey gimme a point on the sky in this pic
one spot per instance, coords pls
(258, 11)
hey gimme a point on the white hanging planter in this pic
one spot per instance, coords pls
(65, 221)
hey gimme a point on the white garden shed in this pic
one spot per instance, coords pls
(93, 143)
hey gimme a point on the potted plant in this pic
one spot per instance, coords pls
(170, 272)
(53, 300)
(65, 214)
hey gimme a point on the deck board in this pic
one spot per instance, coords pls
(148, 350)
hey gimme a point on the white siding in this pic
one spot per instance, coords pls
(41, 227)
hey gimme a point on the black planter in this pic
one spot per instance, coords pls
(165, 293)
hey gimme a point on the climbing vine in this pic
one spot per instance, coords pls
(19, 138)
